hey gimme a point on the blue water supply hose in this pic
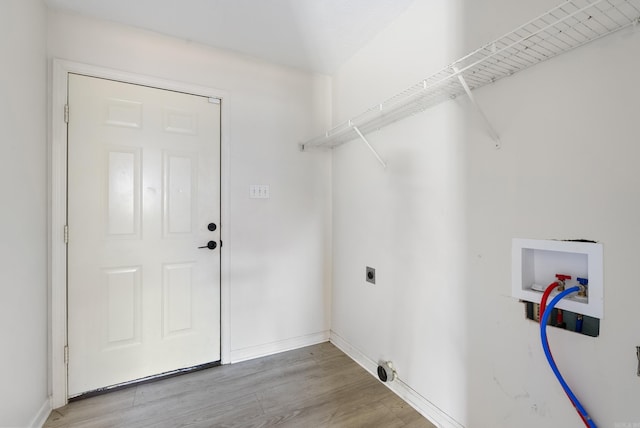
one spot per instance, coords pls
(547, 352)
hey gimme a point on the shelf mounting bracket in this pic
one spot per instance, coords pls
(355, 128)
(490, 128)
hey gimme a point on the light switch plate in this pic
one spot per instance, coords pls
(259, 191)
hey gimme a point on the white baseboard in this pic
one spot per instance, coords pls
(238, 355)
(41, 417)
(404, 391)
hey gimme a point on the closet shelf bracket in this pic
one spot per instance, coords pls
(492, 132)
(369, 146)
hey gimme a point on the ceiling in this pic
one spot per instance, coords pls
(313, 35)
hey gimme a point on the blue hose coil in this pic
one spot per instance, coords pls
(547, 353)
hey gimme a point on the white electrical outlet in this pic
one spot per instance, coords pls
(259, 191)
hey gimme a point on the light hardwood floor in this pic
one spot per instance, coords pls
(317, 386)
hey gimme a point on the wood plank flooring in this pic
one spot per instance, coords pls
(317, 386)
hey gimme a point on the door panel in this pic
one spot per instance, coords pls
(144, 183)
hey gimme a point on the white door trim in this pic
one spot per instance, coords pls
(58, 209)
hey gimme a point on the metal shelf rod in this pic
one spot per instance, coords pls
(362, 137)
(492, 131)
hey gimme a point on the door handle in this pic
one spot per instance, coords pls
(210, 245)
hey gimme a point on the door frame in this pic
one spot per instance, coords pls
(58, 209)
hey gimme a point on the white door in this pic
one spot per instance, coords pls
(143, 195)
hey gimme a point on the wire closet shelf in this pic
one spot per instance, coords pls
(567, 26)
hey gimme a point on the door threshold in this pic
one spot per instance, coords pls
(142, 381)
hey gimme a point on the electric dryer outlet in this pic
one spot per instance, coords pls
(370, 275)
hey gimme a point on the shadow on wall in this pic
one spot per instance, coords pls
(427, 254)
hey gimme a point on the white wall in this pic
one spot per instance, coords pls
(279, 249)
(23, 217)
(437, 224)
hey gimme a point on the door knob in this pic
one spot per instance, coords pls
(210, 245)
(212, 227)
